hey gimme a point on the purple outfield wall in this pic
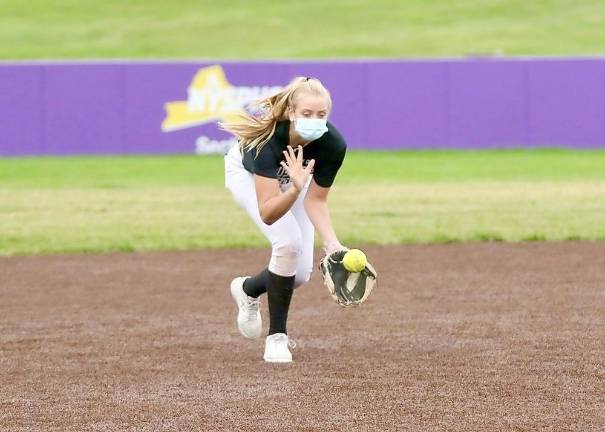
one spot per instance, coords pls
(172, 107)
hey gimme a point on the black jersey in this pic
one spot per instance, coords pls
(328, 152)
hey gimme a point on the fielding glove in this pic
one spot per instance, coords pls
(346, 288)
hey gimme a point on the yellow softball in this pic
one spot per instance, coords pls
(355, 260)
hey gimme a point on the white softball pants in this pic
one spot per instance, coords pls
(291, 236)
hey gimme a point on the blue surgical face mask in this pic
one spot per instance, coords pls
(310, 129)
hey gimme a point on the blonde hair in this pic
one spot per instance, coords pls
(254, 132)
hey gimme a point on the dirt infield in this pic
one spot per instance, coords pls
(489, 337)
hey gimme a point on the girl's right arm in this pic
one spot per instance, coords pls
(272, 204)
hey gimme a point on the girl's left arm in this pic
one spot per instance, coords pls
(316, 206)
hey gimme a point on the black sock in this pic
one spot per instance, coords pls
(256, 285)
(279, 294)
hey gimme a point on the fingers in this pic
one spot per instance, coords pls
(310, 165)
(286, 167)
(294, 161)
(287, 157)
(292, 153)
(293, 157)
(299, 155)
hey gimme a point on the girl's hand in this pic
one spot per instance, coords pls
(293, 165)
(333, 246)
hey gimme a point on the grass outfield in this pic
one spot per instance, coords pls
(43, 29)
(91, 204)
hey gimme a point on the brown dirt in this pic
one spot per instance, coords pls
(489, 337)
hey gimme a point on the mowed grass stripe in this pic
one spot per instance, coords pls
(360, 167)
(43, 221)
(41, 29)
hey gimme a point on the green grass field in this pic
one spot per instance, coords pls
(43, 29)
(51, 205)
(91, 204)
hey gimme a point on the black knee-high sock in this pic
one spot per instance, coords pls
(256, 285)
(279, 294)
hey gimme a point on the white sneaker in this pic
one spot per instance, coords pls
(276, 348)
(249, 321)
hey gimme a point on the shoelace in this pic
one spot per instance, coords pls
(252, 305)
(291, 343)
(252, 302)
(288, 341)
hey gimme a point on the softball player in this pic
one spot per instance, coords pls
(280, 174)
